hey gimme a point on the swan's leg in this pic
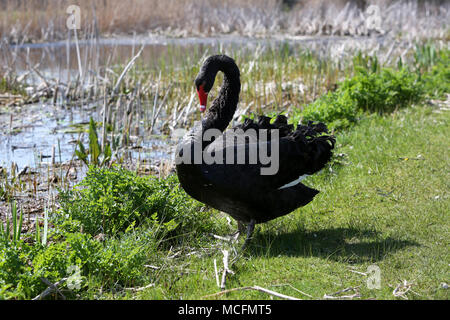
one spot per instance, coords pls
(240, 230)
(250, 229)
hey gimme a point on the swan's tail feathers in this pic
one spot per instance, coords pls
(264, 122)
(316, 145)
(309, 142)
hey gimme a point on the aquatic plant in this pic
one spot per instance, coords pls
(96, 154)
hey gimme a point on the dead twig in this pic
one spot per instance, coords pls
(151, 266)
(156, 113)
(140, 288)
(125, 70)
(226, 269)
(358, 272)
(52, 288)
(294, 288)
(216, 273)
(256, 288)
(337, 295)
(402, 289)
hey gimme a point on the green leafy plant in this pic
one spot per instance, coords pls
(111, 200)
(95, 155)
(366, 62)
(370, 90)
(384, 91)
(17, 279)
(425, 56)
(436, 80)
(381, 90)
(15, 223)
(336, 109)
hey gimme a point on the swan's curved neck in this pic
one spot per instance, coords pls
(224, 106)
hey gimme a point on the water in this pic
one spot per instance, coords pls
(37, 129)
(43, 132)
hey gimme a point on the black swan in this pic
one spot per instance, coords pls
(239, 188)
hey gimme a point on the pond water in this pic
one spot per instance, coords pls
(43, 133)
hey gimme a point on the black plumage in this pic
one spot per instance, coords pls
(240, 189)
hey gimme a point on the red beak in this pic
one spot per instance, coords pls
(203, 96)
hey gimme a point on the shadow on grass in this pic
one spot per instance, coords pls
(349, 245)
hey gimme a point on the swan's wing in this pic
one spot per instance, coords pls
(238, 163)
(230, 171)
